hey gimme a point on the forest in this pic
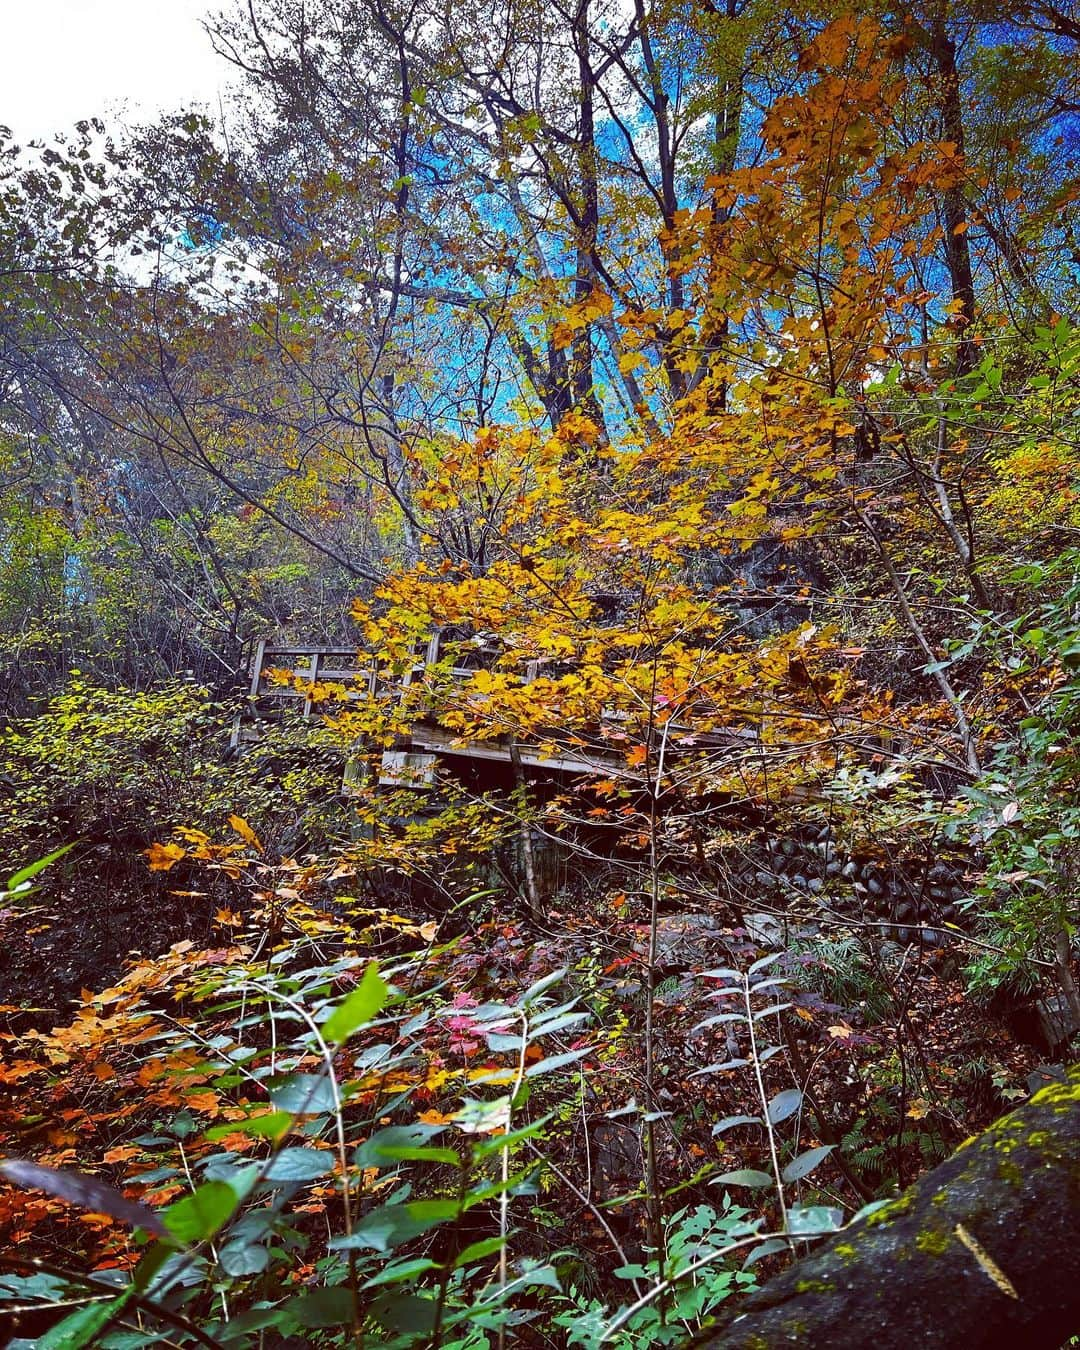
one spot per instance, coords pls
(540, 685)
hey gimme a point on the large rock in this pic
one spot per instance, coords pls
(984, 1251)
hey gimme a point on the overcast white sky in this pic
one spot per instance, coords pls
(61, 60)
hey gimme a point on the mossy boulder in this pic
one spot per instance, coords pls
(982, 1251)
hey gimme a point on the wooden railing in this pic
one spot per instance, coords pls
(411, 761)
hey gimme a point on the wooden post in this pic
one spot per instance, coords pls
(532, 889)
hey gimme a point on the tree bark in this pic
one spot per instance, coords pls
(983, 1251)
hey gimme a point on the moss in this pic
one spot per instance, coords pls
(1010, 1173)
(891, 1211)
(813, 1287)
(1039, 1139)
(933, 1242)
(1061, 1096)
(845, 1250)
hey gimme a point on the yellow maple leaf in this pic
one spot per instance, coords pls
(163, 856)
(246, 833)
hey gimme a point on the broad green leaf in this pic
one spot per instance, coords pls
(357, 1008)
(201, 1214)
(298, 1164)
(767, 1248)
(535, 990)
(744, 1176)
(271, 1125)
(476, 1251)
(807, 1219)
(555, 1062)
(322, 1308)
(238, 1258)
(406, 1269)
(302, 1094)
(19, 879)
(420, 1153)
(372, 1152)
(784, 1104)
(390, 1225)
(805, 1163)
(730, 1122)
(763, 962)
(483, 1148)
(720, 1068)
(81, 1328)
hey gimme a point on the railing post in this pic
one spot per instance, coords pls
(313, 675)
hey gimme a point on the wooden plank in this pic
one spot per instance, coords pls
(432, 738)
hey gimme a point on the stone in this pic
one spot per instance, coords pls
(1057, 1024)
(686, 940)
(767, 930)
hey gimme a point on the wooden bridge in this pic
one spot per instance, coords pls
(601, 751)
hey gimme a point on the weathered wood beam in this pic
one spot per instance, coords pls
(983, 1251)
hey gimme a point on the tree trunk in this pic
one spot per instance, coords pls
(957, 248)
(983, 1251)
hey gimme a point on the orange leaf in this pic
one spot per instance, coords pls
(121, 1154)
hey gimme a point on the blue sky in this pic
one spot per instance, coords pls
(61, 60)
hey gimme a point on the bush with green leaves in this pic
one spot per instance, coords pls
(1025, 810)
(125, 767)
(700, 1270)
(417, 1240)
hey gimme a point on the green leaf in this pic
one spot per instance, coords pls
(744, 1176)
(357, 1008)
(784, 1104)
(421, 1154)
(720, 1068)
(534, 991)
(376, 1151)
(298, 1164)
(239, 1258)
(322, 1308)
(807, 1219)
(476, 1251)
(555, 1062)
(25, 874)
(81, 1328)
(805, 1163)
(763, 962)
(730, 1122)
(302, 1094)
(767, 1248)
(271, 1125)
(483, 1148)
(388, 1226)
(201, 1214)
(406, 1269)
